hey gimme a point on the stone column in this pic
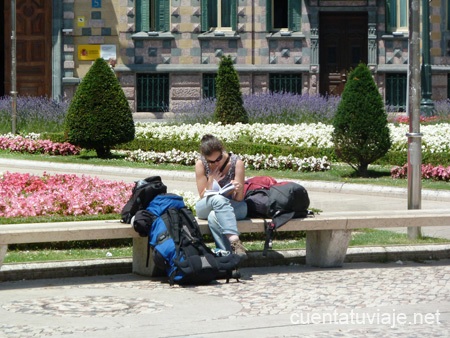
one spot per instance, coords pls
(327, 248)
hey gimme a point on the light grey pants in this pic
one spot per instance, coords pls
(222, 214)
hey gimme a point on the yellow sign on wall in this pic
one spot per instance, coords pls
(88, 52)
(80, 21)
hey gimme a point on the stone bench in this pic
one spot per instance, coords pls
(327, 234)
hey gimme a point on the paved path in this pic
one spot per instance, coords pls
(358, 300)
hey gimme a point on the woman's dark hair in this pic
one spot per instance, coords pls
(210, 144)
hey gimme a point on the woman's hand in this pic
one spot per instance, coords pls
(237, 185)
(216, 174)
(238, 189)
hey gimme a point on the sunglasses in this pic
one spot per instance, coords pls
(218, 159)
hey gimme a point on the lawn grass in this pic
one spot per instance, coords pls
(282, 241)
(46, 255)
(362, 237)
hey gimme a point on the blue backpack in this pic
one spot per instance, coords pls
(178, 246)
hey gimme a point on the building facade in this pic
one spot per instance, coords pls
(166, 52)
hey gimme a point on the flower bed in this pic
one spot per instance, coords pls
(34, 113)
(25, 195)
(437, 173)
(435, 137)
(254, 162)
(32, 145)
(267, 108)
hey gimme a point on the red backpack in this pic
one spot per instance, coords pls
(259, 182)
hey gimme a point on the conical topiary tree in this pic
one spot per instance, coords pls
(229, 105)
(99, 115)
(361, 134)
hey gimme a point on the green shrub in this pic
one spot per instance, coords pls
(159, 145)
(99, 116)
(229, 106)
(361, 134)
(400, 158)
(54, 137)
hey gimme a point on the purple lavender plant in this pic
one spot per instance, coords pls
(200, 111)
(34, 114)
(290, 108)
(442, 109)
(268, 108)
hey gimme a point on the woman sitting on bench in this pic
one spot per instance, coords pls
(220, 206)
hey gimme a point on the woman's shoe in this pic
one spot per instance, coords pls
(238, 249)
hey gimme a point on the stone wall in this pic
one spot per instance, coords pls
(185, 52)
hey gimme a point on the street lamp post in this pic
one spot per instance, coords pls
(414, 135)
(426, 104)
(13, 68)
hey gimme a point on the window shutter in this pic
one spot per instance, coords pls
(268, 15)
(391, 15)
(163, 15)
(387, 17)
(204, 19)
(143, 15)
(295, 15)
(234, 15)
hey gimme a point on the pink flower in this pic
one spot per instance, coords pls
(63, 194)
(438, 173)
(21, 144)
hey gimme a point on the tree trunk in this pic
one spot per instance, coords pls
(362, 169)
(103, 151)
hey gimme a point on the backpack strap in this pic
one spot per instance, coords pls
(148, 252)
(171, 219)
(225, 163)
(192, 222)
(172, 277)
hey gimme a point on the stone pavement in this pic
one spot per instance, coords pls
(358, 300)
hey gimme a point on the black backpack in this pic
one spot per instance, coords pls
(177, 243)
(142, 194)
(280, 202)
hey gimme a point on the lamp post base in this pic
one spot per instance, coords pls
(427, 107)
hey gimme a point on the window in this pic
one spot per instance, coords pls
(152, 15)
(289, 83)
(152, 92)
(221, 14)
(284, 15)
(397, 15)
(396, 87)
(280, 15)
(209, 85)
